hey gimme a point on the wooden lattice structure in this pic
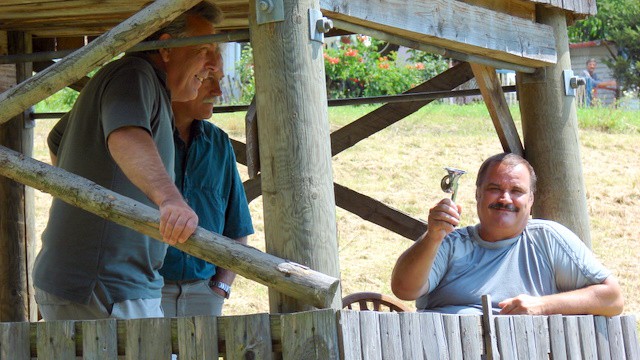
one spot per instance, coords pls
(291, 162)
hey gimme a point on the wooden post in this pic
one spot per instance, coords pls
(17, 213)
(550, 131)
(295, 148)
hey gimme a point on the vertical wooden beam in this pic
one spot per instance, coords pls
(493, 96)
(550, 131)
(295, 148)
(17, 213)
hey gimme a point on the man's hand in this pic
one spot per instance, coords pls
(177, 221)
(522, 305)
(443, 219)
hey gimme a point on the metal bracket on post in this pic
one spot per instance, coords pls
(571, 82)
(318, 25)
(268, 11)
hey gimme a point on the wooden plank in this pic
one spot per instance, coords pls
(349, 335)
(299, 281)
(616, 340)
(587, 337)
(389, 114)
(630, 336)
(248, 337)
(602, 337)
(434, 345)
(505, 338)
(14, 341)
(471, 331)
(310, 335)
(557, 341)
(55, 340)
(488, 329)
(253, 148)
(493, 96)
(412, 338)
(148, 339)
(390, 336)
(524, 335)
(438, 22)
(104, 48)
(452, 333)
(541, 336)
(572, 337)
(99, 339)
(370, 335)
(197, 337)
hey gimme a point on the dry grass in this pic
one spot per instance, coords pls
(402, 166)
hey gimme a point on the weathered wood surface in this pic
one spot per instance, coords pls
(295, 152)
(76, 65)
(319, 334)
(493, 96)
(295, 280)
(17, 208)
(454, 25)
(550, 135)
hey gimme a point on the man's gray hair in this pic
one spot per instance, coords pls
(178, 27)
(510, 160)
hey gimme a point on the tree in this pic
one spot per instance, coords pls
(617, 21)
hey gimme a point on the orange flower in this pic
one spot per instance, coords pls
(420, 66)
(351, 52)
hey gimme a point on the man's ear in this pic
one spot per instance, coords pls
(164, 52)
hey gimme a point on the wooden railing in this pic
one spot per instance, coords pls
(327, 334)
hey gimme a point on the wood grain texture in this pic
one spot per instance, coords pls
(440, 23)
(248, 337)
(493, 96)
(295, 152)
(55, 340)
(14, 341)
(298, 281)
(148, 339)
(99, 339)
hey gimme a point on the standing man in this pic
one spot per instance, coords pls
(208, 178)
(535, 267)
(119, 134)
(593, 81)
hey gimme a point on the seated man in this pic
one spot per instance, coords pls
(527, 266)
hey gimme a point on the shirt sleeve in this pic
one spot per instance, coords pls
(574, 265)
(127, 100)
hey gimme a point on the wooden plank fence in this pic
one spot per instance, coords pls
(327, 334)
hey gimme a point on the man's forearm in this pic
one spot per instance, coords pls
(600, 299)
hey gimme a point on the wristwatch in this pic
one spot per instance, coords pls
(222, 286)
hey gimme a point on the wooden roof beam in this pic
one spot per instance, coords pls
(453, 25)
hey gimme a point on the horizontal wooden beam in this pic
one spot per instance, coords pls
(289, 278)
(454, 25)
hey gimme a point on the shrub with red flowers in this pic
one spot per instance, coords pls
(354, 67)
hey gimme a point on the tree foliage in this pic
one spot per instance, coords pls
(617, 21)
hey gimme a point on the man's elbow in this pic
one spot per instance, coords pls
(615, 303)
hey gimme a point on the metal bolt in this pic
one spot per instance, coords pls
(323, 25)
(266, 6)
(576, 81)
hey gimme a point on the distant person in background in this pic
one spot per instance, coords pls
(528, 266)
(208, 178)
(593, 81)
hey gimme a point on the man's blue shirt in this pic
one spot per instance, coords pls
(207, 176)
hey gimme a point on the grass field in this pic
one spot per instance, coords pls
(402, 166)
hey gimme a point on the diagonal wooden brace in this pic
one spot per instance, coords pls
(289, 278)
(76, 65)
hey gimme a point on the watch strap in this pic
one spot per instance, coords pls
(222, 286)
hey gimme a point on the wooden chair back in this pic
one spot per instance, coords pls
(373, 301)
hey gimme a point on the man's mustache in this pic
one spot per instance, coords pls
(508, 207)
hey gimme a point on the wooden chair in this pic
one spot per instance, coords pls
(373, 301)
